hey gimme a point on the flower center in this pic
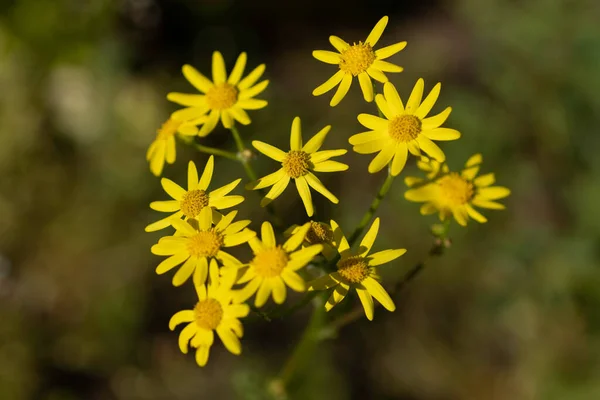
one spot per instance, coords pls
(205, 243)
(455, 190)
(208, 314)
(357, 58)
(296, 163)
(270, 263)
(193, 202)
(168, 129)
(404, 128)
(319, 233)
(354, 269)
(221, 96)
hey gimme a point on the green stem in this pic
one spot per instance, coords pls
(385, 187)
(214, 151)
(305, 346)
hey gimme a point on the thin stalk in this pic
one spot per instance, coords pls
(214, 151)
(383, 190)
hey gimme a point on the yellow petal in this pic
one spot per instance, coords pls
(393, 98)
(389, 51)
(252, 77)
(442, 134)
(369, 239)
(275, 191)
(385, 256)
(429, 101)
(377, 75)
(230, 341)
(415, 97)
(431, 148)
(339, 238)
(198, 80)
(207, 174)
(372, 146)
(269, 151)
(262, 295)
(376, 290)
(171, 262)
(367, 302)
(366, 137)
(328, 57)
(238, 69)
(342, 90)
(202, 354)
(165, 206)
(293, 280)
(316, 184)
(330, 166)
(315, 143)
(192, 176)
(436, 120)
(482, 181)
(382, 159)
(377, 31)
(387, 66)
(211, 123)
(475, 159)
(384, 107)
(373, 122)
(493, 193)
(223, 190)
(305, 195)
(184, 272)
(240, 115)
(296, 239)
(184, 99)
(172, 189)
(296, 135)
(320, 156)
(475, 214)
(339, 44)
(180, 318)
(279, 291)
(267, 181)
(186, 335)
(252, 104)
(267, 235)
(218, 68)
(399, 160)
(253, 91)
(366, 86)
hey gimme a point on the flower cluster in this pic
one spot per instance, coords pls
(204, 234)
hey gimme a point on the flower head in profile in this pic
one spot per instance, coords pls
(457, 194)
(299, 164)
(404, 129)
(358, 59)
(224, 98)
(274, 266)
(358, 270)
(318, 233)
(163, 147)
(213, 312)
(188, 203)
(197, 248)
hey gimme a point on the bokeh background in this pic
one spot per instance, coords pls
(512, 311)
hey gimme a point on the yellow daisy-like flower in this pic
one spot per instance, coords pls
(456, 194)
(358, 59)
(195, 248)
(163, 147)
(188, 203)
(225, 98)
(213, 312)
(319, 233)
(299, 164)
(358, 271)
(274, 266)
(403, 129)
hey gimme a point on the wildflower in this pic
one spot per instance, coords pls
(163, 147)
(195, 248)
(318, 233)
(358, 271)
(358, 60)
(403, 129)
(456, 194)
(213, 312)
(189, 203)
(299, 164)
(274, 266)
(225, 98)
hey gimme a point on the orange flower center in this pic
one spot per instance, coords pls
(221, 96)
(456, 190)
(354, 269)
(193, 202)
(205, 243)
(296, 163)
(319, 233)
(269, 263)
(404, 128)
(208, 314)
(357, 58)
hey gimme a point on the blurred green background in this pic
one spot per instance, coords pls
(512, 311)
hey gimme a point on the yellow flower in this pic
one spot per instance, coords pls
(432, 167)
(358, 60)
(319, 233)
(195, 248)
(274, 266)
(163, 147)
(299, 164)
(403, 129)
(213, 312)
(225, 98)
(358, 271)
(456, 194)
(189, 203)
